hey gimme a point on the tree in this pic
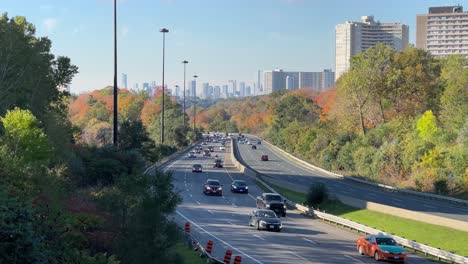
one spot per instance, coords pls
(24, 138)
(317, 194)
(454, 106)
(427, 126)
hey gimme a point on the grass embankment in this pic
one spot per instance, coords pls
(190, 256)
(436, 236)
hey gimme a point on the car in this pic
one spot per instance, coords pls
(249, 143)
(218, 163)
(204, 143)
(272, 201)
(381, 247)
(197, 168)
(265, 219)
(222, 148)
(241, 141)
(254, 147)
(206, 153)
(264, 158)
(259, 142)
(211, 148)
(212, 187)
(239, 186)
(191, 154)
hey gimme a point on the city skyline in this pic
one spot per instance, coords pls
(217, 49)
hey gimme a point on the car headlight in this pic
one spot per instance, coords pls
(220, 189)
(207, 187)
(385, 251)
(267, 206)
(262, 222)
(284, 206)
(246, 187)
(234, 187)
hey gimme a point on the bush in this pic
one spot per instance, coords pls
(317, 194)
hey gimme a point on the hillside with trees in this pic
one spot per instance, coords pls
(399, 118)
(66, 194)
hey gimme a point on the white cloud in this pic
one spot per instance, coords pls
(49, 24)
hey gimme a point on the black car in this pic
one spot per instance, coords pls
(212, 187)
(265, 219)
(272, 201)
(259, 142)
(211, 148)
(197, 168)
(239, 186)
(206, 153)
(254, 147)
(218, 163)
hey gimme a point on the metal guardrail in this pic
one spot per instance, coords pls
(197, 246)
(378, 185)
(170, 158)
(427, 250)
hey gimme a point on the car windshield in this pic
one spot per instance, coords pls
(197, 166)
(387, 241)
(267, 214)
(273, 197)
(215, 183)
(239, 183)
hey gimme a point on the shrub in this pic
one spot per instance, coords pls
(318, 193)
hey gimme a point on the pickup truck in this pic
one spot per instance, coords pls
(272, 201)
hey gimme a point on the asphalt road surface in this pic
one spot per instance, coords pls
(224, 220)
(282, 169)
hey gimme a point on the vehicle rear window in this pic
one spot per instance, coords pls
(273, 197)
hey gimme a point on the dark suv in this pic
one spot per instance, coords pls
(212, 187)
(272, 201)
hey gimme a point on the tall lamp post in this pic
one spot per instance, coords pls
(185, 64)
(164, 31)
(195, 105)
(115, 134)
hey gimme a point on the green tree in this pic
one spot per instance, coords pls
(427, 126)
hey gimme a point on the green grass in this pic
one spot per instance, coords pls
(448, 239)
(189, 256)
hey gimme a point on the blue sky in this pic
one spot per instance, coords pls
(222, 39)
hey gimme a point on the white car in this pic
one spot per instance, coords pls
(249, 143)
(222, 148)
(191, 154)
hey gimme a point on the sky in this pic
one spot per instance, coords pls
(222, 39)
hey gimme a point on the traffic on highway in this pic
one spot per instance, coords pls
(252, 223)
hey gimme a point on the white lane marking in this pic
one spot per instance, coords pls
(428, 206)
(234, 205)
(353, 258)
(298, 255)
(198, 202)
(311, 241)
(397, 199)
(222, 241)
(231, 223)
(259, 237)
(210, 211)
(398, 204)
(372, 194)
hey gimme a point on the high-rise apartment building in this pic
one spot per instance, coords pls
(443, 31)
(193, 88)
(259, 84)
(124, 81)
(242, 89)
(354, 37)
(217, 92)
(279, 79)
(225, 91)
(232, 88)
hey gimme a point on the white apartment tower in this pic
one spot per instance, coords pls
(354, 37)
(443, 32)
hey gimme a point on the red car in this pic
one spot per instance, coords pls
(381, 247)
(264, 158)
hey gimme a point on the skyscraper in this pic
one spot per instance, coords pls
(354, 37)
(225, 91)
(177, 91)
(193, 88)
(217, 92)
(443, 31)
(248, 91)
(124, 81)
(242, 89)
(327, 80)
(259, 83)
(205, 90)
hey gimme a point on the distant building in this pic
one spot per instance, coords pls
(232, 87)
(124, 81)
(177, 91)
(354, 37)
(205, 90)
(242, 89)
(225, 91)
(193, 88)
(248, 91)
(279, 79)
(217, 92)
(259, 84)
(443, 32)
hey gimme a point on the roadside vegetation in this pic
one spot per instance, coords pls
(399, 118)
(66, 194)
(445, 238)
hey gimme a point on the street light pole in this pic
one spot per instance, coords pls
(185, 64)
(164, 31)
(115, 134)
(195, 105)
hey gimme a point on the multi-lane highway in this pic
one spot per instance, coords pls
(284, 171)
(224, 220)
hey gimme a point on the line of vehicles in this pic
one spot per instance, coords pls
(270, 206)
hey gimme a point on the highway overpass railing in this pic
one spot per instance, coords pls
(425, 249)
(425, 195)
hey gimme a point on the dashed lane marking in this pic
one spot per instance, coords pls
(353, 258)
(298, 255)
(211, 212)
(259, 237)
(311, 241)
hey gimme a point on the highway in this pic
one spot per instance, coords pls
(284, 171)
(224, 220)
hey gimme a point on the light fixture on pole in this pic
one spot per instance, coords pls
(164, 31)
(185, 64)
(195, 105)
(115, 131)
